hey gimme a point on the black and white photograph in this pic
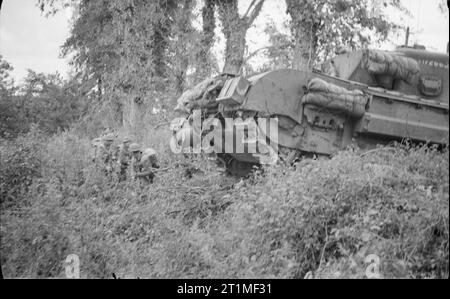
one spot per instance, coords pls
(220, 146)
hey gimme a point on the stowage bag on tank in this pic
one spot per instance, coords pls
(196, 97)
(383, 63)
(333, 97)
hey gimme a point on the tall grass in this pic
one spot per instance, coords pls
(321, 217)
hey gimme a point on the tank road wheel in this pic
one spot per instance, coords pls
(239, 168)
(233, 166)
(221, 164)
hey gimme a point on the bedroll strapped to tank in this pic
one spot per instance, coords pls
(397, 66)
(330, 96)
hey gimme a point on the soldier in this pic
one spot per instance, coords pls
(136, 155)
(148, 163)
(106, 152)
(143, 162)
(124, 157)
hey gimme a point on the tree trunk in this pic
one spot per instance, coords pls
(303, 29)
(304, 49)
(159, 49)
(207, 41)
(184, 28)
(160, 41)
(235, 29)
(234, 49)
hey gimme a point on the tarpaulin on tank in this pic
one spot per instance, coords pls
(384, 63)
(330, 96)
(199, 97)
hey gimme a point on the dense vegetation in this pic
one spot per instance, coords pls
(324, 216)
(131, 60)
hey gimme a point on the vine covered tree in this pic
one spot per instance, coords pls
(320, 27)
(204, 56)
(235, 29)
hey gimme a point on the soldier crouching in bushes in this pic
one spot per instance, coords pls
(124, 158)
(148, 163)
(143, 163)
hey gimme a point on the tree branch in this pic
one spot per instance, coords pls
(254, 53)
(255, 12)
(248, 9)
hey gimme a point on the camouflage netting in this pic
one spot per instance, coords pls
(383, 63)
(328, 95)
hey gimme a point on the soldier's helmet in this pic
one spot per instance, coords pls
(134, 147)
(126, 139)
(149, 152)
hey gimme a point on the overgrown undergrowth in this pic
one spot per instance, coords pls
(322, 217)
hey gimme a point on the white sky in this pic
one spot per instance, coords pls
(30, 40)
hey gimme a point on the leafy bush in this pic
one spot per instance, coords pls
(20, 164)
(325, 212)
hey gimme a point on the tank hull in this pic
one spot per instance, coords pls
(316, 113)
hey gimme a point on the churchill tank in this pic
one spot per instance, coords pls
(358, 98)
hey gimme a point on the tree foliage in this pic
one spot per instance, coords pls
(131, 53)
(321, 27)
(43, 100)
(50, 102)
(138, 52)
(10, 121)
(5, 77)
(443, 6)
